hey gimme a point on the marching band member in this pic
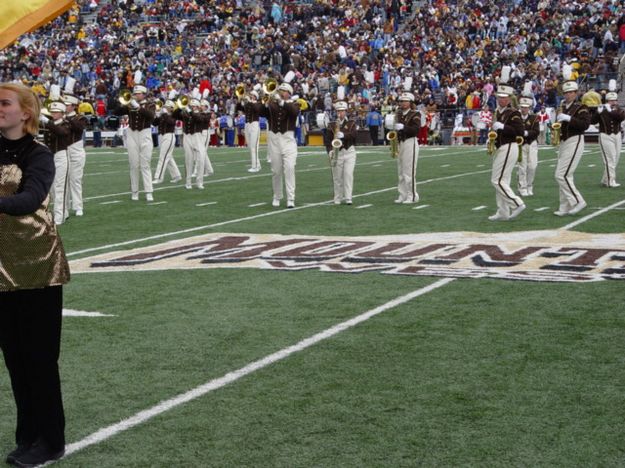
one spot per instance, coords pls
(609, 118)
(57, 136)
(529, 155)
(281, 115)
(192, 124)
(407, 124)
(166, 125)
(76, 152)
(575, 119)
(340, 140)
(508, 124)
(139, 140)
(206, 135)
(252, 109)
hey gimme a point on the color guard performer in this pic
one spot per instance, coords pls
(141, 114)
(529, 151)
(508, 125)
(340, 140)
(57, 136)
(408, 121)
(281, 116)
(252, 109)
(166, 125)
(575, 119)
(609, 118)
(76, 153)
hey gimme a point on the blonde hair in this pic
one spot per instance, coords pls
(29, 103)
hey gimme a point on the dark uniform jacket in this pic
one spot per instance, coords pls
(251, 110)
(77, 123)
(281, 119)
(579, 123)
(141, 118)
(192, 122)
(57, 137)
(513, 126)
(609, 121)
(412, 124)
(349, 129)
(532, 126)
(166, 123)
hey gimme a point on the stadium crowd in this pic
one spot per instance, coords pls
(449, 52)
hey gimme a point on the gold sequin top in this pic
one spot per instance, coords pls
(31, 252)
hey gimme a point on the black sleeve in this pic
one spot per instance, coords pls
(37, 176)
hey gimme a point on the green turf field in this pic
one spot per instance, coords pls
(224, 356)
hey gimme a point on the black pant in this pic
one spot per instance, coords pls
(30, 339)
(373, 132)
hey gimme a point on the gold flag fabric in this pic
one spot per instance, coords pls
(21, 16)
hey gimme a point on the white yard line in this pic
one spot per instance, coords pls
(82, 313)
(542, 208)
(261, 215)
(215, 384)
(478, 208)
(207, 203)
(583, 219)
(364, 206)
(420, 207)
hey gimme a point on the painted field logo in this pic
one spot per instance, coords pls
(535, 256)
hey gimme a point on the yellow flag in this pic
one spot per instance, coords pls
(20, 16)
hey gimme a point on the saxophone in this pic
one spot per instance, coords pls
(492, 138)
(336, 144)
(556, 128)
(392, 138)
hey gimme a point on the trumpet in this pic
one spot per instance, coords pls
(336, 145)
(239, 91)
(158, 104)
(125, 96)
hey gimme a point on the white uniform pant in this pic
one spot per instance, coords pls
(192, 159)
(140, 148)
(610, 152)
(527, 167)
(569, 156)
(504, 160)
(77, 158)
(166, 160)
(282, 151)
(208, 167)
(60, 186)
(252, 137)
(407, 169)
(343, 174)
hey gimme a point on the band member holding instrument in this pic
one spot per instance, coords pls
(76, 153)
(192, 125)
(407, 124)
(252, 109)
(141, 114)
(609, 118)
(166, 125)
(340, 137)
(529, 161)
(281, 116)
(508, 125)
(57, 135)
(575, 120)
